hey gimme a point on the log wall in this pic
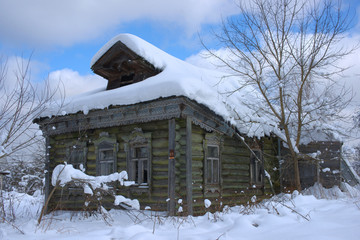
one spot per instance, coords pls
(234, 187)
(155, 196)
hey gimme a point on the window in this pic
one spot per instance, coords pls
(76, 155)
(77, 158)
(106, 150)
(212, 163)
(138, 157)
(256, 168)
(139, 164)
(212, 147)
(106, 161)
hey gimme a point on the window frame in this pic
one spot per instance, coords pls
(81, 149)
(212, 159)
(138, 170)
(212, 140)
(138, 139)
(256, 168)
(105, 143)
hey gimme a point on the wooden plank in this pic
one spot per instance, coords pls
(238, 151)
(160, 152)
(163, 161)
(188, 157)
(235, 167)
(159, 143)
(157, 177)
(159, 134)
(171, 168)
(197, 137)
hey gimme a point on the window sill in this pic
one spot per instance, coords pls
(212, 188)
(139, 188)
(76, 190)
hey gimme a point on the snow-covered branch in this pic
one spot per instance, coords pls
(65, 174)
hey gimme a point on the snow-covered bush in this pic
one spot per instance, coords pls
(94, 188)
(19, 205)
(356, 161)
(352, 155)
(26, 173)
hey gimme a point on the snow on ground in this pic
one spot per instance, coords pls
(296, 216)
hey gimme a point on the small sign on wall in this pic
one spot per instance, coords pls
(171, 154)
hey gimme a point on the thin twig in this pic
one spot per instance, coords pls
(295, 211)
(13, 225)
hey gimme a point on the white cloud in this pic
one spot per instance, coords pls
(67, 22)
(204, 60)
(68, 81)
(72, 83)
(350, 78)
(16, 67)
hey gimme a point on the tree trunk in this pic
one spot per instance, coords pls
(294, 159)
(296, 173)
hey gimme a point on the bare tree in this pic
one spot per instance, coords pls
(289, 50)
(20, 102)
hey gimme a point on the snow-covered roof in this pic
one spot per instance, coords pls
(177, 78)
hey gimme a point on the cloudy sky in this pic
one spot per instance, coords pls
(61, 36)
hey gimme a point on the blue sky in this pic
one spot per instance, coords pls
(66, 34)
(69, 34)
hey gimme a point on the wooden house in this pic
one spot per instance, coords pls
(165, 123)
(172, 147)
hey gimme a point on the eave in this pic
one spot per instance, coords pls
(159, 109)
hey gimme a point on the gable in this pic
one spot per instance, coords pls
(121, 66)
